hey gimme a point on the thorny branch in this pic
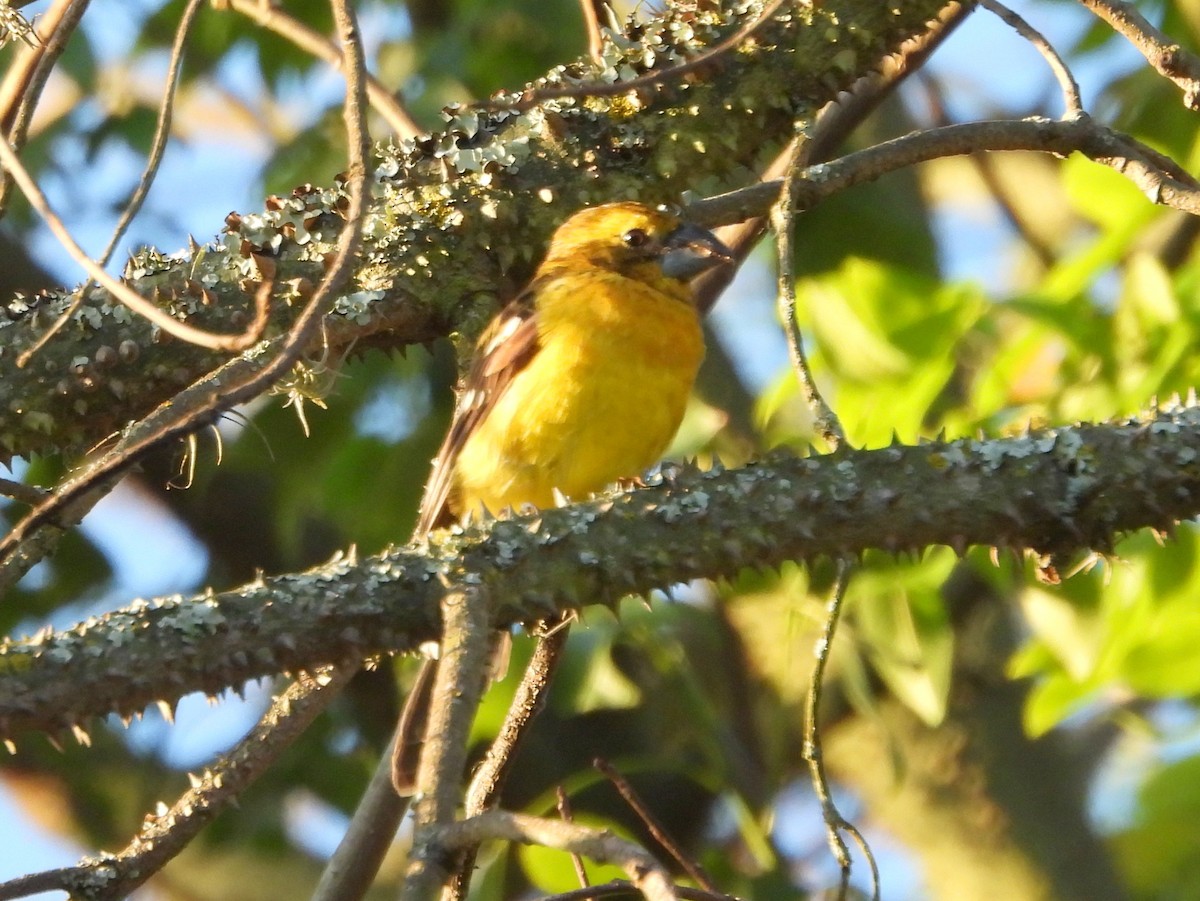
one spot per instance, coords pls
(1139, 473)
(167, 832)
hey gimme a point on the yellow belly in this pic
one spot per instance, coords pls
(601, 399)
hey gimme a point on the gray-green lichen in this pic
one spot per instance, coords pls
(439, 233)
(1054, 491)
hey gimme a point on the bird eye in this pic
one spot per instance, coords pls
(635, 237)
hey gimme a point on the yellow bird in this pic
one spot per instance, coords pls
(583, 378)
(580, 381)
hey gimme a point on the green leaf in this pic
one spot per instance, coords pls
(900, 617)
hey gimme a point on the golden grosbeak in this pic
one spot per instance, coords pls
(583, 378)
(580, 381)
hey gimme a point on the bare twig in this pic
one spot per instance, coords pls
(530, 698)
(457, 689)
(600, 845)
(355, 862)
(593, 13)
(484, 791)
(564, 811)
(383, 101)
(1167, 57)
(1160, 178)
(352, 867)
(24, 83)
(638, 806)
(825, 421)
(165, 834)
(532, 97)
(1073, 104)
(22, 493)
(162, 132)
(835, 823)
(118, 289)
(241, 379)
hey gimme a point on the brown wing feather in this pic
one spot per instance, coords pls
(504, 349)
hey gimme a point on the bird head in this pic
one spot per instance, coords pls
(636, 240)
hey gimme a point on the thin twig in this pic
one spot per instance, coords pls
(825, 421)
(162, 132)
(593, 11)
(352, 868)
(1167, 57)
(835, 823)
(1066, 80)
(241, 379)
(484, 791)
(117, 289)
(532, 97)
(655, 828)
(646, 873)
(164, 835)
(22, 493)
(563, 803)
(1159, 177)
(383, 101)
(24, 85)
(457, 690)
(528, 702)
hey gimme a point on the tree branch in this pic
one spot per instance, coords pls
(435, 232)
(1056, 491)
(1168, 58)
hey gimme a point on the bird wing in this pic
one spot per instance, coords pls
(504, 349)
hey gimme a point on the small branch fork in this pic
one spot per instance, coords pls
(835, 823)
(646, 873)
(827, 425)
(1167, 57)
(1072, 102)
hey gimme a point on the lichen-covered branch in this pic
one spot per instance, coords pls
(438, 234)
(167, 832)
(1056, 490)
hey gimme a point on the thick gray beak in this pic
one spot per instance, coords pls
(689, 250)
